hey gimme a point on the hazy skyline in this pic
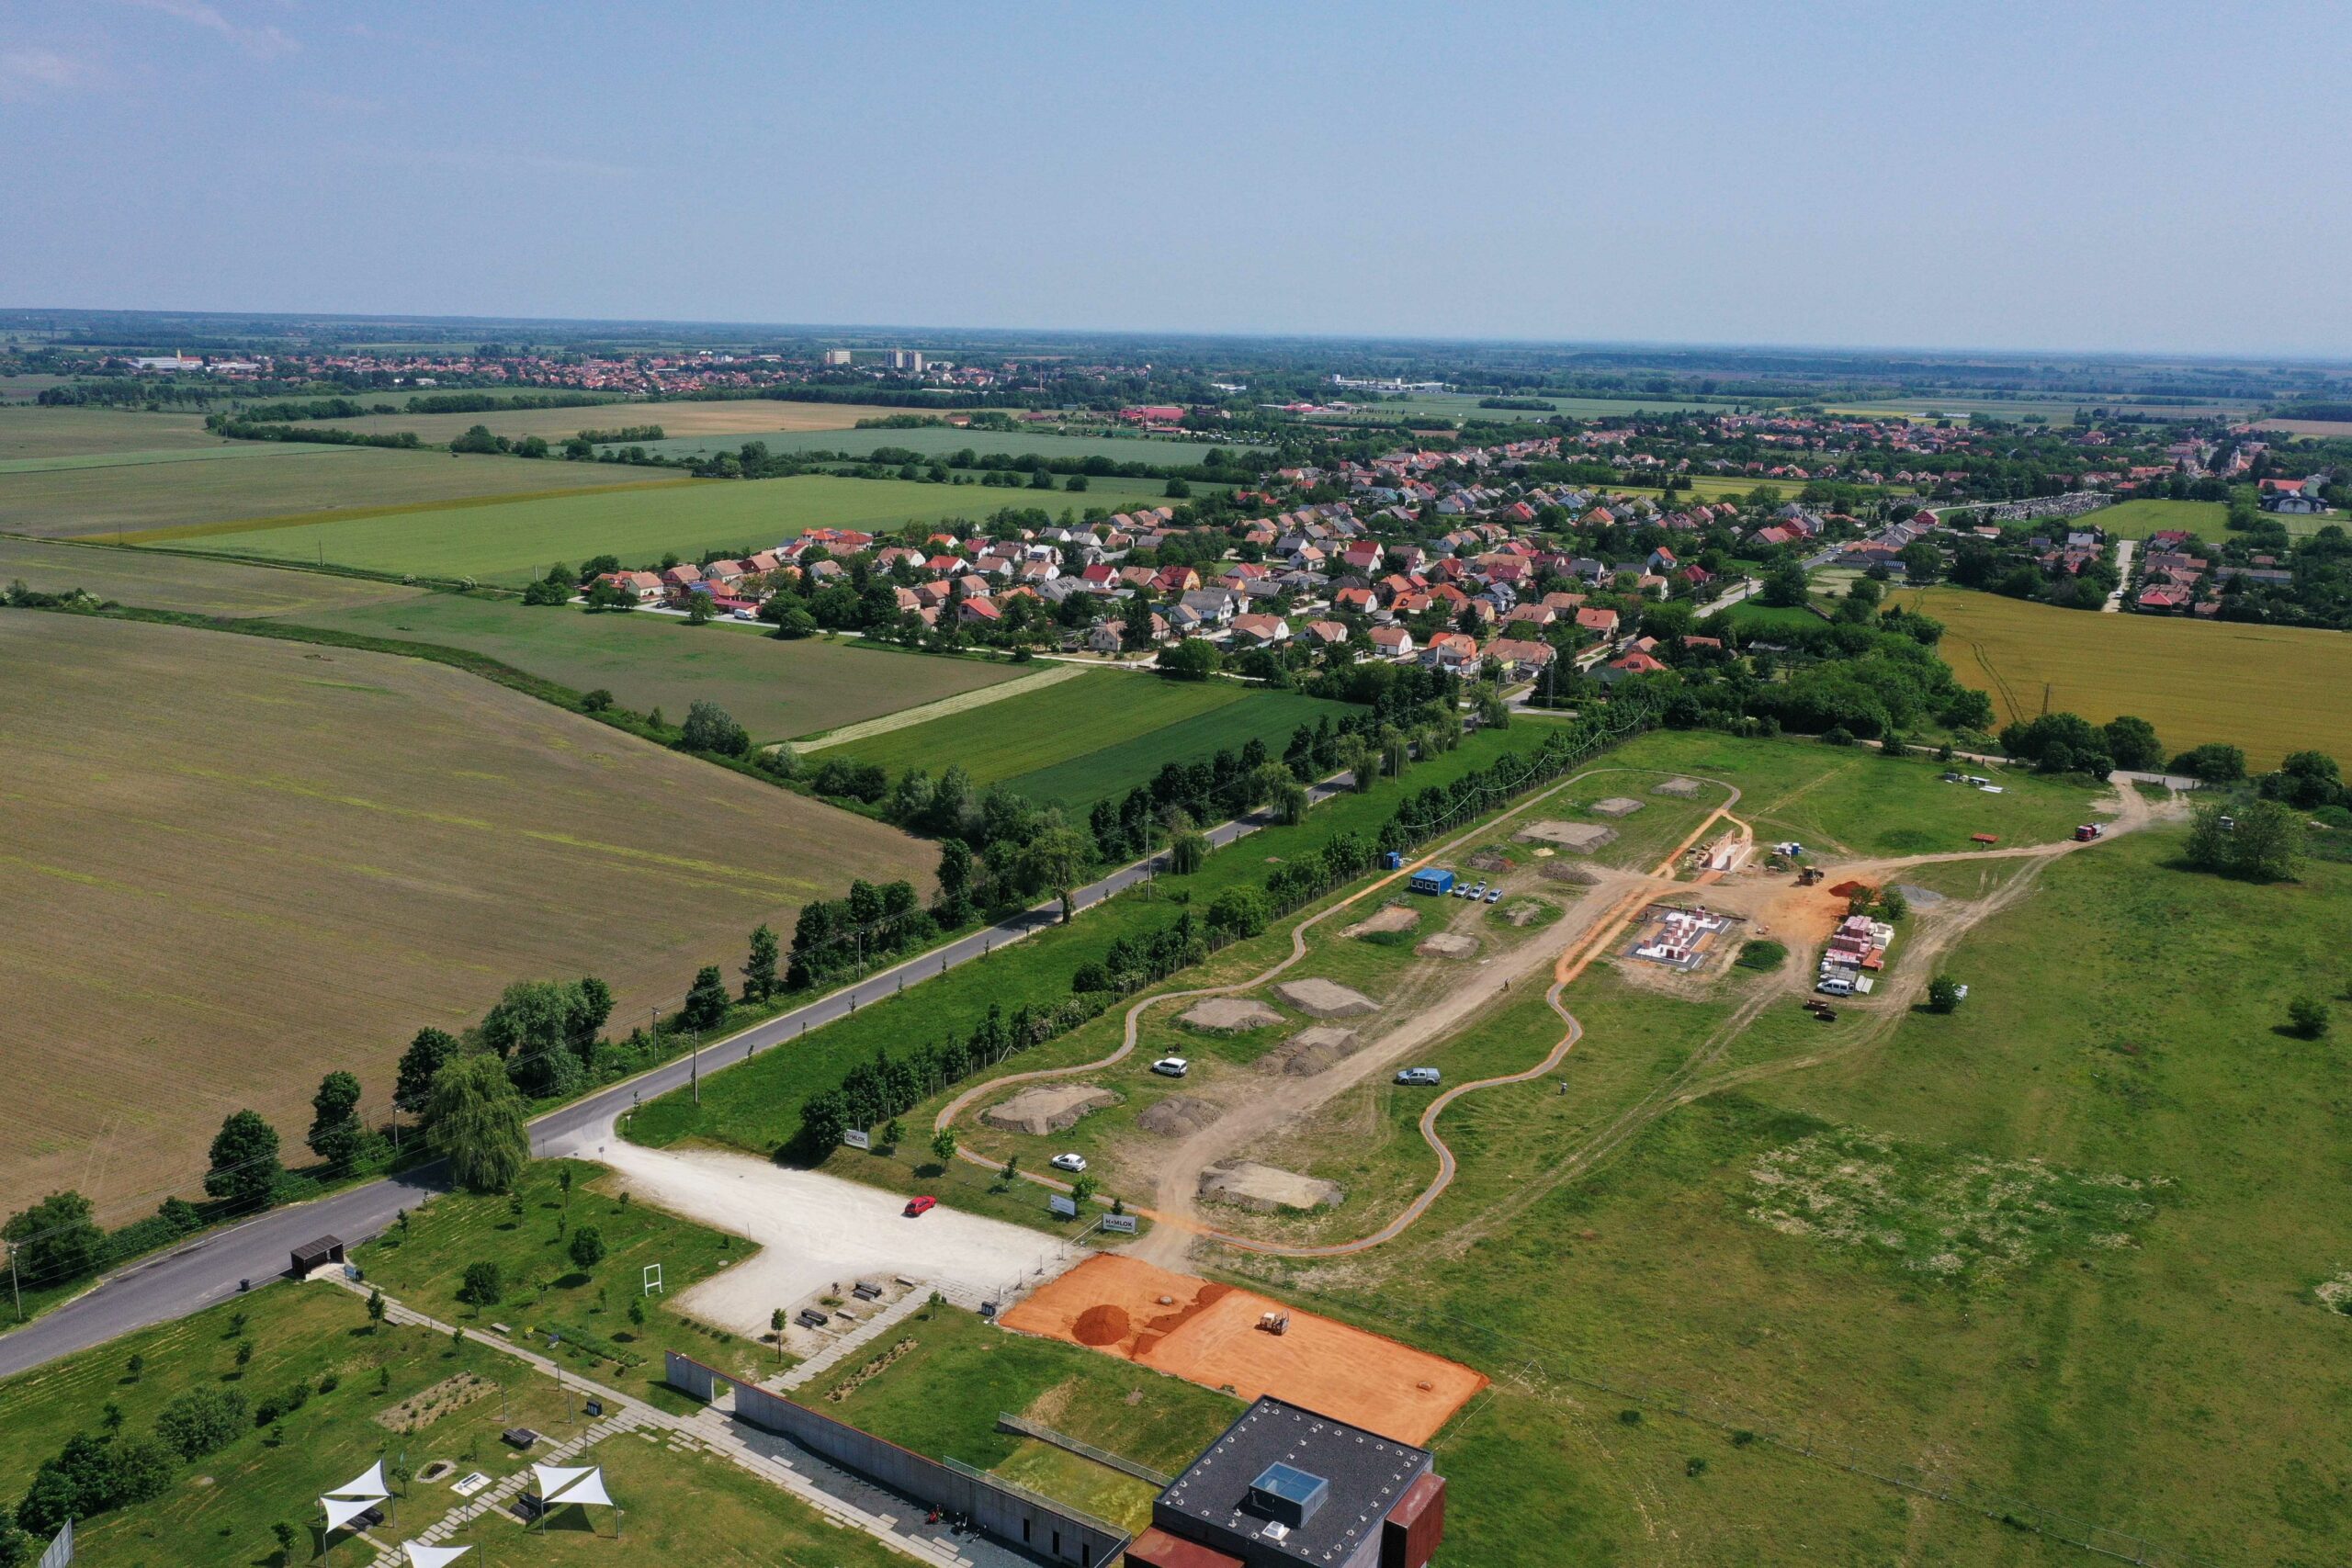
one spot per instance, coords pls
(2127, 179)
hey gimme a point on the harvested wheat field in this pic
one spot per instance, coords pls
(229, 865)
(1208, 1334)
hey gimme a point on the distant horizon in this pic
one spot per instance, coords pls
(1823, 172)
(911, 331)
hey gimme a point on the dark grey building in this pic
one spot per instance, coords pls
(1285, 1487)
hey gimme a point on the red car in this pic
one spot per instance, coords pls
(916, 1206)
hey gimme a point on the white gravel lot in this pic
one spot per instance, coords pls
(816, 1232)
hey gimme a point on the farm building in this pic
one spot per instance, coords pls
(1286, 1486)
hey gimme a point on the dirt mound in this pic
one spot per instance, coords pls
(1232, 1013)
(1683, 787)
(1179, 1116)
(1101, 1325)
(1489, 859)
(1047, 1108)
(1309, 1052)
(1582, 838)
(1325, 999)
(1919, 897)
(1447, 944)
(1560, 871)
(1526, 911)
(1261, 1189)
(1395, 918)
(1616, 806)
(1849, 889)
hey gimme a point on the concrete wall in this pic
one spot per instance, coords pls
(1009, 1516)
(690, 1376)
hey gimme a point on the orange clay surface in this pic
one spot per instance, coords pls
(1208, 1334)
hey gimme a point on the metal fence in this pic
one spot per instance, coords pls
(1045, 1434)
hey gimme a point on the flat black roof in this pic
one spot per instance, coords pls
(1367, 1475)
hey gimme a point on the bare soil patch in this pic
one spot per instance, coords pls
(1326, 999)
(1179, 1116)
(427, 1405)
(1578, 837)
(1526, 911)
(1917, 897)
(1262, 1189)
(1447, 944)
(1489, 859)
(1309, 1052)
(1233, 1014)
(1047, 1108)
(1575, 876)
(1616, 806)
(1684, 788)
(1395, 918)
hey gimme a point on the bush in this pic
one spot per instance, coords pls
(1764, 955)
(2306, 1018)
(202, 1420)
(1943, 993)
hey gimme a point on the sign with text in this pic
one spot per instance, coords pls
(1124, 1223)
(1066, 1207)
(857, 1138)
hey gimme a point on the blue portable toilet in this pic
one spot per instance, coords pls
(1392, 861)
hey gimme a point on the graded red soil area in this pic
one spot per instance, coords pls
(1208, 1334)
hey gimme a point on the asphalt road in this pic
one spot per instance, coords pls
(207, 1269)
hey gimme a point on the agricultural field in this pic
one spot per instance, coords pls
(2324, 429)
(340, 847)
(511, 543)
(30, 432)
(193, 586)
(1464, 406)
(2194, 680)
(2057, 411)
(941, 441)
(399, 1394)
(2036, 1250)
(123, 500)
(1093, 737)
(740, 416)
(778, 690)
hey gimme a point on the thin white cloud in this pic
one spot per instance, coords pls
(264, 43)
(30, 73)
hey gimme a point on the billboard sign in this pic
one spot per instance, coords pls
(1124, 1223)
(857, 1138)
(1066, 1207)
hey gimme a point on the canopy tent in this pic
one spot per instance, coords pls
(341, 1511)
(368, 1484)
(559, 1485)
(419, 1556)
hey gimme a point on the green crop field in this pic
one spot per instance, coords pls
(2032, 1255)
(28, 431)
(1100, 735)
(514, 542)
(1465, 405)
(2138, 519)
(777, 690)
(940, 441)
(155, 580)
(717, 417)
(2271, 690)
(123, 499)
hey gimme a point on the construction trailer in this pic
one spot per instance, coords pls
(1433, 880)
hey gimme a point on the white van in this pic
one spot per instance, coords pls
(1835, 985)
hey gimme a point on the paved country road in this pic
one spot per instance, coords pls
(207, 1269)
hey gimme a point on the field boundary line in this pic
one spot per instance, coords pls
(940, 707)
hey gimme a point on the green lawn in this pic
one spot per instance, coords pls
(516, 542)
(1100, 735)
(2138, 519)
(423, 1265)
(943, 1397)
(777, 689)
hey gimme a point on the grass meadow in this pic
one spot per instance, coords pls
(341, 848)
(1082, 741)
(2271, 690)
(2138, 519)
(777, 690)
(125, 499)
(29, 432)
(515, 542)
(2041, 1248)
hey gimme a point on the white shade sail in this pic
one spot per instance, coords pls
(368, 1484)
(419, 1556)
(559, 1485)
(341, 1511)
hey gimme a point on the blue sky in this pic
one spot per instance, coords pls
(2150, 177)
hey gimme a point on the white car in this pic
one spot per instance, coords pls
(1172, 1067)
(1069, 1162)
